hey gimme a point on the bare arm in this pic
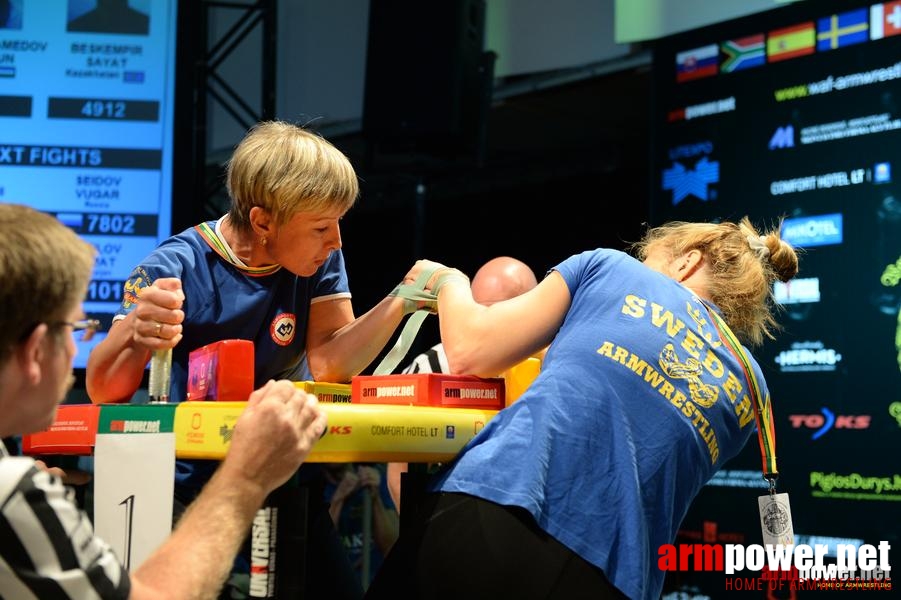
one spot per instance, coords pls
(394, 472)
(271, 438)
(116, 365)
(339, 346)
(487, 340)
(385, 524)
(196, 559)
(345, 487)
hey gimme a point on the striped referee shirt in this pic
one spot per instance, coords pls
(48, 549)
(433, 360)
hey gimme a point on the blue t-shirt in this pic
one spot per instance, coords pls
(638, 403)
(227, 300)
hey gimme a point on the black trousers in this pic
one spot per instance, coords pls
(459, 546)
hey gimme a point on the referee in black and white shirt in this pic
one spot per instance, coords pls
(500, 278)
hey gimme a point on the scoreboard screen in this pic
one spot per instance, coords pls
(86, 127)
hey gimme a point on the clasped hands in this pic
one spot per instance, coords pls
(422, 283)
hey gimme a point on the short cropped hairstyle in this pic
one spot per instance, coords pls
(743, 266)
(44, 269)
(286, 169)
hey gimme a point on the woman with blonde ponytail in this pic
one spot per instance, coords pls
(646, 391)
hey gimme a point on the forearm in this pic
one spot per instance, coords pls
(384, 525)
(465, 330)
(334, 509)
(116, 365)
(354, 346)
(197, 558)
(487, 340)
(394, 473)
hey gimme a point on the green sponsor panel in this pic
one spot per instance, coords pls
(137, 418)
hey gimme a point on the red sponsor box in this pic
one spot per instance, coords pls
(221, 371)
(73, 432)
(430, 389)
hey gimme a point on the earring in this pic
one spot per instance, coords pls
(263, 241)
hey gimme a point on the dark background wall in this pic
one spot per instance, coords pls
(481, 129)
(555, 162)
(564, 170)
(558, 164)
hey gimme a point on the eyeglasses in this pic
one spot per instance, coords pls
(88, 327)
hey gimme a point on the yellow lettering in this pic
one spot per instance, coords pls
(606, 349)
(732, 386)
(692, 343)
(621, 355)
(636, 364)
(714, 449)
(634, 306)
(702, 424)
(698, 418)
(661, 317)
(653, 377)
(744, 412)
(702, 323)
(667, 389)
(713, 365)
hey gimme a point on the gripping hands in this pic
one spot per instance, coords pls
(420, 287)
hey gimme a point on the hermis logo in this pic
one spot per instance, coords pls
(808, 356)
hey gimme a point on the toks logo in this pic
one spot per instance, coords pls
(822, 423)
(340, 429)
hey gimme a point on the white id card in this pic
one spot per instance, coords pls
(776, 519)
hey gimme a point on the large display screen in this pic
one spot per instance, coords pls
(796, 113)
(86, 126)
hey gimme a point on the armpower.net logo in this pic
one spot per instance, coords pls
(753, 567)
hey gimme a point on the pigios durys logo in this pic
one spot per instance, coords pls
(855, 486)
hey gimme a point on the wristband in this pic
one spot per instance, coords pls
(446, 277)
